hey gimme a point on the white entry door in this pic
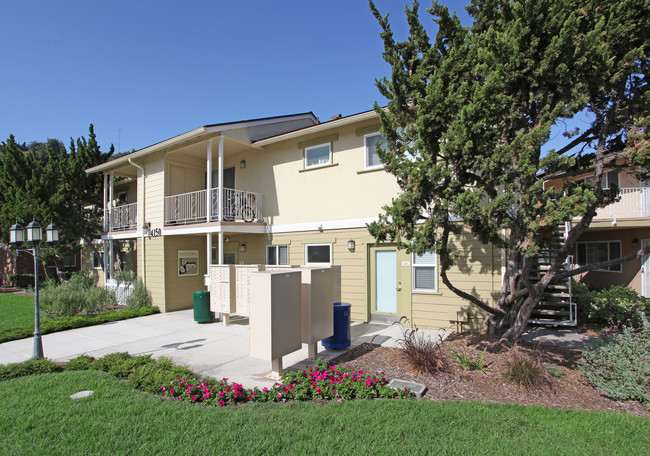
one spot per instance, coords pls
(645, 271)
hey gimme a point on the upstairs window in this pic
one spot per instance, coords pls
(609, 178)
(371, 158)
(319, 155)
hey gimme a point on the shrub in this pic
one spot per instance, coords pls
(469, 363)
(621, 367)
(424, 354)
(29, 367)
(120, 364)
(141, 297)
(24, 280)
(83, 362)
(525, 370)
(149, 377)
(77, 296)
(616, 305)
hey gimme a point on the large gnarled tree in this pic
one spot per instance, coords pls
(469, 114)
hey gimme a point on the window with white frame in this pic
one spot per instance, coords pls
(98, 259)
(609, 178)
(425, 272)
(598, 251)
(319, 155)
(318, 254)
(277, 254)
(371, 158)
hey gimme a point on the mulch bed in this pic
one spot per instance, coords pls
(570, 390)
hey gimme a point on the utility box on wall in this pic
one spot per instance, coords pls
(317, 299)
(275, 315)
(222, 289)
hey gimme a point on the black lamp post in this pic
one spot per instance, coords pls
(34, 237)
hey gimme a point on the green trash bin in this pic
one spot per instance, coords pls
(202, 313)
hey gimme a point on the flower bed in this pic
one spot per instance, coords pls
(321, 382)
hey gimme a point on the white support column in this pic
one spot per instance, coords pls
(208, 246)
(221, 201)
(111, 202)
(105, 264)
(111, 263)
(106, 215)
(208, 180)
(220, 247)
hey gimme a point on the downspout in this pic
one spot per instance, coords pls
(144, 198)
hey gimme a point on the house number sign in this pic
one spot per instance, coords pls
(155, 232)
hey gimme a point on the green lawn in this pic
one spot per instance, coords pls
(39, 418)
(16, 311)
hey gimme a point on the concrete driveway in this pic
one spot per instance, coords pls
(210, 349)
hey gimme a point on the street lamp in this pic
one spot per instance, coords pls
(34, 238)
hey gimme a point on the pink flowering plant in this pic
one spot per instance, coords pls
(208, 391)
(328, 383)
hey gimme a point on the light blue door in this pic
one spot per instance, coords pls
(385, 280)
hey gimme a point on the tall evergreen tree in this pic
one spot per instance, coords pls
(52, 185)
(468, 116)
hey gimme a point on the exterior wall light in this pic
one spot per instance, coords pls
(242, 164)
(243, 247)
(351, 245)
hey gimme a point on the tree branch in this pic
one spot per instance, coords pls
(591, 267)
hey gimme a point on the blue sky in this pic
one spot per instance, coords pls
(142, 71)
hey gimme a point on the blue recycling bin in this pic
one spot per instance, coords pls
(341, 336)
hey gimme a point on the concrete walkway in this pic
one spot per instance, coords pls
(210, 349)
(214, 350)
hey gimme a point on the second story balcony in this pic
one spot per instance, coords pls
(121, 218)
(634, 202)
(203, 206)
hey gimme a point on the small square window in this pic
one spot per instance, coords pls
(371, 158)
(277, 254)
(318, 155)
(425, 276)
(320, 254)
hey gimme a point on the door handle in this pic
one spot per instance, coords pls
(398, 288)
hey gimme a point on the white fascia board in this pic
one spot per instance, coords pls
(320, 225)
(121, 236)
(193, 134)
(148, 150)
(246, 229)
(318, 128)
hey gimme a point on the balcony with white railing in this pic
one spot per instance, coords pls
(634, 202)
(122, 218)
(238, 206)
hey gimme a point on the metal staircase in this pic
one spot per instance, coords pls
(556, 307)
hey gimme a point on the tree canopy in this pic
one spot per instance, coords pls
(45, 182)
(468, 116)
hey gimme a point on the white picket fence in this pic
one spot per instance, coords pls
(121, 289)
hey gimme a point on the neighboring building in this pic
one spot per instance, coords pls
(617, 230)
(13, 263)
(293, 191)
